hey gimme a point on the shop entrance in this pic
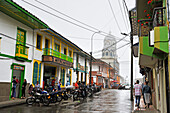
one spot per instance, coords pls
(18, 72)
(49, 77)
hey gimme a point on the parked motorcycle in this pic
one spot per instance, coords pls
(38, 97)
(55, 96)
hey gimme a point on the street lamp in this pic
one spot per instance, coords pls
(91, 54)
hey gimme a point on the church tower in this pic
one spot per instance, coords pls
(109, 54)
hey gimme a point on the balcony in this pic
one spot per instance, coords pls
(51, 52)
(21, 51)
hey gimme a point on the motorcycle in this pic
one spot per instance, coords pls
(55, 96)
(38, 97)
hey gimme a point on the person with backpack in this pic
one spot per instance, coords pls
(147, 93)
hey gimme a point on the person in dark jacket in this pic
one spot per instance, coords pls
(23, 88)
(147, 93)
(14, 84)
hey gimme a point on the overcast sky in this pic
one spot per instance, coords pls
(95, 13)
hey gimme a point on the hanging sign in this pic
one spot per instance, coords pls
(18, 67)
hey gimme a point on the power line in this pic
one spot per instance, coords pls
(69, 17)
(114, 15)
(114, 50)
(126, 10)
(122, 15)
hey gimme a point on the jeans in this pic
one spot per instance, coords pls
(13, 91)
(138, 100)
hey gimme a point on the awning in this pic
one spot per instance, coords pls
(17, 12)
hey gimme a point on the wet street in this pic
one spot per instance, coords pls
(106, 101)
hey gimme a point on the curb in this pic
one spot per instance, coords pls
(12, 103)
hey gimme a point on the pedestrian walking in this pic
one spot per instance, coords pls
(23, 88)
(138, 91)
(147, 94)
(59, 85)
(14, 84)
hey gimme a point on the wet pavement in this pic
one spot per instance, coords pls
(106, 101)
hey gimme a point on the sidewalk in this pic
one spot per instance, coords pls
(12, 102)
(15, 102)
(142, 109)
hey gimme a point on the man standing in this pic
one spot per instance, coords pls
(14, 83)
(138, 91)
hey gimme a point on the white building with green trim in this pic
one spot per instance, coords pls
(30, 50)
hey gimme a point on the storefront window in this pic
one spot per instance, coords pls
(35, 73)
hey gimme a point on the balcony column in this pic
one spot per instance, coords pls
(67, 53)
(60, 49)
(52, 44)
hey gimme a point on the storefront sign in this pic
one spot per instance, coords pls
(47, 58)
(18, 67)
(57, 61)
(63, 62)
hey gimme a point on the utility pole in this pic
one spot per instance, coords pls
(131, 40)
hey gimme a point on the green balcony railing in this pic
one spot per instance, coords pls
(21, 51)
(49, 51)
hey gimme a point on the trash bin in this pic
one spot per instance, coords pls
(147, 97)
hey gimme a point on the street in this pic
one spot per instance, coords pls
(106, 101)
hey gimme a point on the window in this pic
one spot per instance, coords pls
(36, 72)
(106, 53)
(57, 47)
(21, 36)
(65, 51)
(47, 43)
(110, 54)
(70, 53)
(39, 42)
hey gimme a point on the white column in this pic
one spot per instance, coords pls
(164, 89)
(42, 74)
(156, 88)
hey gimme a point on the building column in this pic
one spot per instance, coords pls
(156, 88)
(164, 89)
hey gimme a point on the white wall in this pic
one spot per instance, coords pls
(8, 26)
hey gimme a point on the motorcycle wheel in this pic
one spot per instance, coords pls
(65, 97)
(90, 93)
(75, 97)
(59, 99)
(46, 102)
(30, 101)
